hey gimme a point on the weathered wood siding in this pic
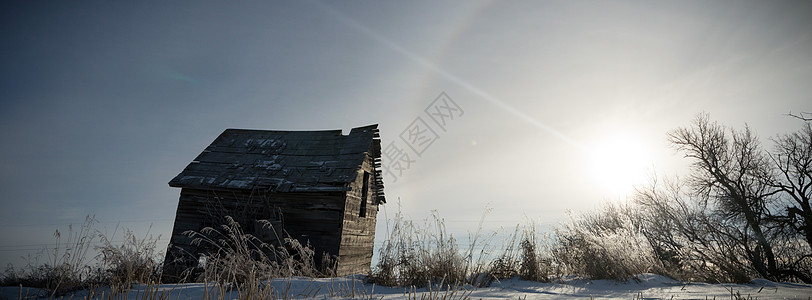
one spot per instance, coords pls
(358, 232)
(313, 217)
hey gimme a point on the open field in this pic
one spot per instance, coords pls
(646, 286)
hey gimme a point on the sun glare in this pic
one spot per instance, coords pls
(618, 162)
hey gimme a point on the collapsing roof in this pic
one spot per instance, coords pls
(284, 161)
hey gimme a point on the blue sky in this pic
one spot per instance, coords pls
(101, 104)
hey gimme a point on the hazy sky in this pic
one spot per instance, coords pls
(101, 103)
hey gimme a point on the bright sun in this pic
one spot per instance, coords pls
(618, 162)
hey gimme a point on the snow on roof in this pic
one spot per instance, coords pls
(282, 161)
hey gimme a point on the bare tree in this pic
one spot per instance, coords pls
(803, 116)
(690, 241)
(792, 158)
(732, 170)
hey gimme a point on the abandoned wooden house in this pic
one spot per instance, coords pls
(319, 187)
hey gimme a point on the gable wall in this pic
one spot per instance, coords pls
(358, 233)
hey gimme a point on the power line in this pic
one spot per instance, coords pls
(98, 222)
(65, 245)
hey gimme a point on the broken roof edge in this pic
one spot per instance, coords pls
(356, 130)
(368, 133)
(373, 127)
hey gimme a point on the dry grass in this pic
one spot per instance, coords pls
(606, 244)
(67, 263)
(238, 257)
(133, 261)
(238, 261)
(526, 255)
(69, 267)
(418, 256)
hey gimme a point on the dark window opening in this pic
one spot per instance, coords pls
(364, 195)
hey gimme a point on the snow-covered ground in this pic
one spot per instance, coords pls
(647, 286)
